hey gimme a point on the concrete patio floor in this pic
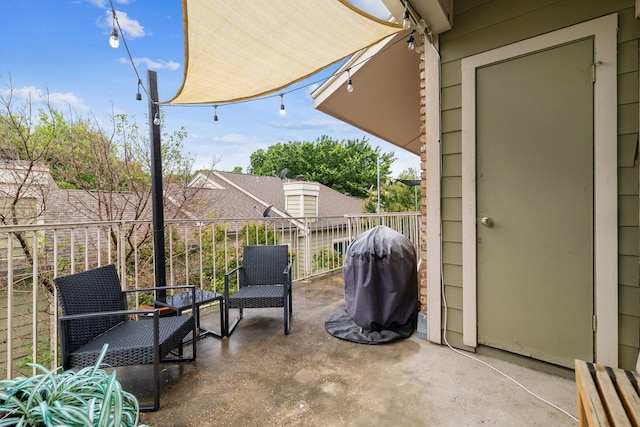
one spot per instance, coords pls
(260, 377)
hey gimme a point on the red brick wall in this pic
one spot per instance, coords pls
(422, 274)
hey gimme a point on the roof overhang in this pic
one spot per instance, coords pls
(386, 78)
(385, 101)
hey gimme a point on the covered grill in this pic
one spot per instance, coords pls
(380, 289)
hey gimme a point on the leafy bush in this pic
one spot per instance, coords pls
(89, 397)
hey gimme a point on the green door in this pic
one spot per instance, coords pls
(534, 176)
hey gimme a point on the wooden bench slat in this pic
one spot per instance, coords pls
(611, 400)
(628, 396)
(607, 396)
(591, 411)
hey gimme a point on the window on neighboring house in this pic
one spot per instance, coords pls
(340, 246)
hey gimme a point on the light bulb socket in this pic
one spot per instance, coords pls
(114, 42)
(215, 113)
(138, 97)
(406, 21)
(411, 42)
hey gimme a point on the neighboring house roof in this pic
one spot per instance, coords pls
(213, 195)
(237, 195)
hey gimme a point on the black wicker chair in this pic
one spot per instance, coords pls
(95, 312)
(264, 280)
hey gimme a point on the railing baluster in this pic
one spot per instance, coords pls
(10, 305)
(317, 245)
(34, 304)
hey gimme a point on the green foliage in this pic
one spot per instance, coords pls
(220, 255)
(395, 197)
(349, 166)
(43, 354)
(89, 397)
(326, 259)
(215, 249)
(258, 233)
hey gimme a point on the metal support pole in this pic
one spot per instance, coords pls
(156, 184)
(378, 177)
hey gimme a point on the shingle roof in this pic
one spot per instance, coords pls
(246, 196)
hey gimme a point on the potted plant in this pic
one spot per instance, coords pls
(88, 397)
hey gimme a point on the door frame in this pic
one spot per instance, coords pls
(604, 32)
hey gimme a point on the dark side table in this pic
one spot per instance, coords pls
(182, 301)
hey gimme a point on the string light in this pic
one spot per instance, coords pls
(283, 112)
(406, 22)
(215, 113)
(116, 23)
(113, 38)
(411, 41)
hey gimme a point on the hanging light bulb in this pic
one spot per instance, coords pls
(138, 95)
(113, 39)
(411, 42)
(156, 120)
(283, 112)
(215, 113)
(349, 83)
(406, 22)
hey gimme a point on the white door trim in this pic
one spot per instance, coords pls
(604, 31)
(433, 158)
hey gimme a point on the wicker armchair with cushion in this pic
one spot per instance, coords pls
(95, 312)
(264, 280)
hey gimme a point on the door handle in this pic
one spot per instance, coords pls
(486, 221)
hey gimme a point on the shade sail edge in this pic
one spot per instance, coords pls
(227, 62)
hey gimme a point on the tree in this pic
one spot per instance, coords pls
(112, 171)
(24, 186)
(350, 166)
(396, 196)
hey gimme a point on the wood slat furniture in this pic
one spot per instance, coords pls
(606, 396)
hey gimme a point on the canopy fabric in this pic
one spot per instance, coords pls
(240, 49)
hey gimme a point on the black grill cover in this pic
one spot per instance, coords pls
(381, 280)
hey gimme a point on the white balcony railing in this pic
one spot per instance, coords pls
(197, 252)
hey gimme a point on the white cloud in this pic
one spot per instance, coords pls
(236, 138)
(131, 28)
(57, 100)
(326, 125)
(226, 151)
(99, 3)
(153, 65)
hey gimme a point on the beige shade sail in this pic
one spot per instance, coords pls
(240, 49)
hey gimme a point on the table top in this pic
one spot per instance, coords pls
(182, 300)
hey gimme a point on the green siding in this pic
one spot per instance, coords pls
(482, 25)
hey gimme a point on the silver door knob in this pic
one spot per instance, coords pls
(486, 221)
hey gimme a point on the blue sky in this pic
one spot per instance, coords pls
(61, 47)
